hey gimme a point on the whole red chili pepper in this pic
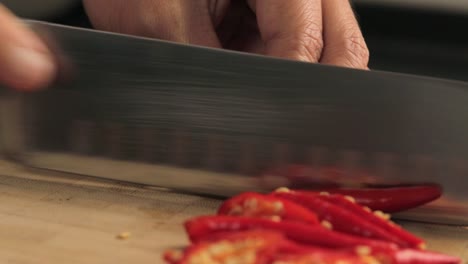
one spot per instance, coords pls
(386, 199)
(249, 247)
(317, 235)
(258, 205)
(377, 218)
(341, 219)
(394, 199)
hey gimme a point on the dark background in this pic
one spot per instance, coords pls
(425, 42)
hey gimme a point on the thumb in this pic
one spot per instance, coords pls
(25, 62)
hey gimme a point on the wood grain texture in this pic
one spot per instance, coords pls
(71, 219)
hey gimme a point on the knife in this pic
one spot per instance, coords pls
(214, 122)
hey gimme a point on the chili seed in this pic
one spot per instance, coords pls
(349, 198)
(382, 215)
(236, 210)
(251, 203)
(327, 225)
(278, 207)
(363, 250)
(282, 189)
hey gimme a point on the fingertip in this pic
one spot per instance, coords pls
(38, 71)
(25, 61)
(27, 69)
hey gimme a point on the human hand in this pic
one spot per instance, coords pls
(25, 62)
(319, 31)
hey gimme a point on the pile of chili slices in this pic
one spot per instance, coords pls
(292, 226)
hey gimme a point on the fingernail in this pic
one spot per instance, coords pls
(29, 69)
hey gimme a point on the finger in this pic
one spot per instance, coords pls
(239, 30)
(25, 62)
(183, 21)
(202, 19)
(290, 29)
(344, 44)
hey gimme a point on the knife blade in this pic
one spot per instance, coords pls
(211, 121)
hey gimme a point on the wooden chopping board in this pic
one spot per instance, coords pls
(71, 219)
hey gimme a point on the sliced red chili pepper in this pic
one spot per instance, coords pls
(412, 256)
(291, 252)
(258, 205)
(377, 218)
(362, 254)
(408, 256)
(340, 219)
(318, 257)
(394, 199)
(318, 235)
(281, 249)
(173, 256)
(249, 247)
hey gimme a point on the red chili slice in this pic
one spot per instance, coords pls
(200, 227)
(316, 257)
(412, 256)
(291, 252)
(249, 247)
(264, 206)
(228, 239)
(394, 199)
(340, 219)
(295, 253)
(377, 218)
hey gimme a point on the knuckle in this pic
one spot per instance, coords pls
(313, 41)
(309, 44)
(356, 51)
